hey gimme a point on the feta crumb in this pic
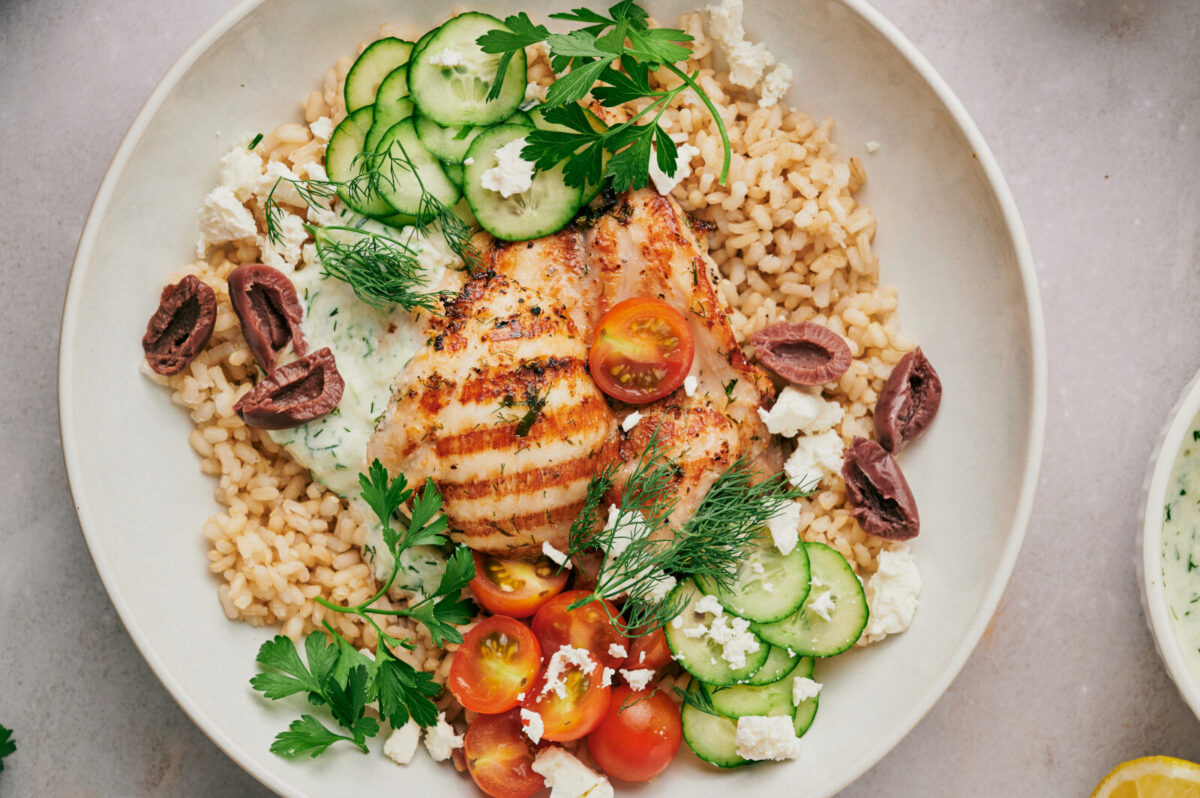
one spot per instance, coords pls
(677, 622)
(757, 569)
(735, 638)
(322, 128)
(535, 92)
(692, 632)
(638, 678)
(746, 61)
(804, 689)
(892, 594)
(816, 457)
(873, 147)
(313, 171)
(288, 248)
(797, 411)
(617, 650)
(521, 696)
(709, 605)
(447, 58)
(662, 583)
(606, 677)
(768, 587)
(239, 171)
(762, 737)
(567, 777)
(565, 658)
(512, 174)
(775, 84)
(665, 183)
(285, 192)
(784, 527)
(823, 605)
(690, 384)
(556, 556)
(440, 739)
(631, 421)
(532, 723)
(223, 219)
(468, 162)
(401, 744)
(641, 657)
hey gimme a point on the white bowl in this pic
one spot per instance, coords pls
(1154, 602)
(949, 238)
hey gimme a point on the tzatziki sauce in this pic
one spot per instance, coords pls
(1181, 548)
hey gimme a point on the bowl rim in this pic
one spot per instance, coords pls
(1036, 399)
(1150, 583)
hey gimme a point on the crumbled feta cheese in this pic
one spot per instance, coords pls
(641, 656)
(277, 179)
(637, 679)
(556, 556)
(662, 583)
(892, 594)
(677, 622)
(440, 739)
(690, 384)
(746, 61)
(535, 92)
(699, 630)
(797, 411)
(312, 171)
(768, 587)
(468, 162)
(532, 723)
(775, 84)
(816, 457)
(757, 569)
(873, 147)
(567, 777)
(521, 695)
(286, 250)
(784, 527)
(402, 743)
(606, 677)
(617, 650)
(223, 219)
(735, 638)
(562, 660)
(631, 421)
(803, 689)
(709, 605)
(239, 172)
(447, 58)
(665, 183)
(322, 128)
(762, 737)
(512, 174)
(823, 605)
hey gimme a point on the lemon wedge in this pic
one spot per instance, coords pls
(1151, 777)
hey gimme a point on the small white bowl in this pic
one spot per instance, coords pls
(1154, 602)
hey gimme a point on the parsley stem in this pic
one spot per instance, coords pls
(712, 109)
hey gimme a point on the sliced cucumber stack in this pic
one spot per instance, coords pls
(375, 63)
(779, 664)
(387, 117)
(769, 585)
(699, 655)
(836, 593)
(743, 699)
(457, 95)
(343, 164)
(545, 208)
(712, 737)
(402, 187)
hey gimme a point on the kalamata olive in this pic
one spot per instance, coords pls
(806, 354)
(294, 393)
(880, 498)
(182, 325)
(266, 304)
(908, 402)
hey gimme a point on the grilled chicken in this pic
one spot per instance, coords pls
(507, 493)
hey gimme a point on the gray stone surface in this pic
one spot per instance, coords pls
(1093, 110)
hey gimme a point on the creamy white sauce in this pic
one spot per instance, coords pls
(371, 348)
(1181, 548)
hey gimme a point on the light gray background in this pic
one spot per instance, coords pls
(1092, 108)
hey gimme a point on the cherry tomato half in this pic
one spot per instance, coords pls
(515, 588)
(638, 736)
(496, 662)
(641, 351)
(500, 756)
(575, 705)
(648, 651)
(586, 627)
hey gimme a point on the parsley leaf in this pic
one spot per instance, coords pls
(305, 736)
(446, 608)
(405, 692)
(384, 497)
(280, 654)
(520, 34)
(425, 529)
(7, 745)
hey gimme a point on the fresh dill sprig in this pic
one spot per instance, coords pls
(381, 270)
(314, 194)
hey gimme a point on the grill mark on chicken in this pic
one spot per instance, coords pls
(529, 481)
(550, 426)
(533, 375)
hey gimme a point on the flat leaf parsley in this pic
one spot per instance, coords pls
(7, 746)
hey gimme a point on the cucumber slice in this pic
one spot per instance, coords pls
(537, 115)
(779, 664)
(520, 118)
(448, 144)
(454, 171)
(373, 65)
(394, 86)
(343, 164)
(743, 699)
(807, 710)
(700, 656)
(545, 208)
(399, 186)
(764, 566)
(457, 96)
(806, 631)
(421, 42)
(386, 117)
(712, 737)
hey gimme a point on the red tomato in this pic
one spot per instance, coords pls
(586, 627)
(638, 736)
(581, 704)
(648, 651)
(641, 351)
(496, 662)
(515, 588)
(500, 756)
